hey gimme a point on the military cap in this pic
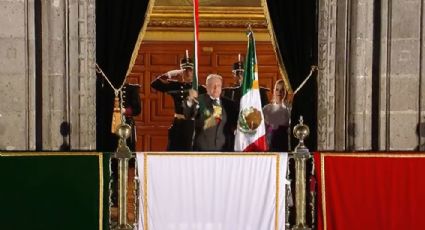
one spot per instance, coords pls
(238, 66)
(186, 62)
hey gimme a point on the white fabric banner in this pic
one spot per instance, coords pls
(212, 191)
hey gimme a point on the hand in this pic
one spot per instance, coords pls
(174, 73)
(191, 98)
(163, 78)
(193, 94)
(289, 98)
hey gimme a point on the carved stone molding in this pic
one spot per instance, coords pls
(17, 76)
(182, 23)
(86, 117)
(69, 79)
(211, 18)
(326, 75)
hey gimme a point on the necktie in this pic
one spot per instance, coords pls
(215, 102)
(217, 111)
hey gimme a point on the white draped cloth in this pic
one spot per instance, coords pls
(212, 191)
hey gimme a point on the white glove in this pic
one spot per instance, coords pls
(173, 73)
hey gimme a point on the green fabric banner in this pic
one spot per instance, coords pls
(54, 191)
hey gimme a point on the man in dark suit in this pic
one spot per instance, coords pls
(234, 92)
(177, 84)
(215, 117)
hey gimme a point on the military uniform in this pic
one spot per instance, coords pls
(180, 134)
(235, 93)
(133, 107)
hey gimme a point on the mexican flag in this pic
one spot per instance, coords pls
(196, 43)
(250, 132)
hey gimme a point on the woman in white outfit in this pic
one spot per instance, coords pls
(276, 117)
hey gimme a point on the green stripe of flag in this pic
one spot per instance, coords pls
(250, 63)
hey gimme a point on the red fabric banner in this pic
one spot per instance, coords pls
(370, 191)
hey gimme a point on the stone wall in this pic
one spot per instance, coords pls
(63, 46)
(347, 95)
(68, 42)
(17, 75)
(402, 77)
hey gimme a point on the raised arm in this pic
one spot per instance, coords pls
(162, 82)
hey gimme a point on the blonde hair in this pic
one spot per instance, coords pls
(279, 82)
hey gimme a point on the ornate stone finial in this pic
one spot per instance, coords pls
(123, 132)
(301, 132)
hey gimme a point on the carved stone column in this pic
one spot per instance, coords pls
(82, 74)
(359, 76)
(68, 30)
(54, 76)
(326, 75)
(346, 42)
(344, 80)
(402, 76)
(17, 75)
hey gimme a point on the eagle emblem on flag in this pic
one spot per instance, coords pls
(249, 120)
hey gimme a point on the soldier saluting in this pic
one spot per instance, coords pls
(177, 84)
(234, 92)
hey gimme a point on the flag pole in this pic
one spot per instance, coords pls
(195, 56)
(196, 44)
(250, 133)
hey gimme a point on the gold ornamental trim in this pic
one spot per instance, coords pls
(213, 24)
(212, 154)
(145, 191)
(377, 155)
(209, 18)
(207, 12)
(184, 34)
(281, 64)
(323, 190)
(276, 226)
(142, 32)
(36, 154)
(100, 191)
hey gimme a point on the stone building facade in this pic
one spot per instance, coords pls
(371, 93)
(48, 46)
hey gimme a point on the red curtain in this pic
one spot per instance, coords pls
(370, 191)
